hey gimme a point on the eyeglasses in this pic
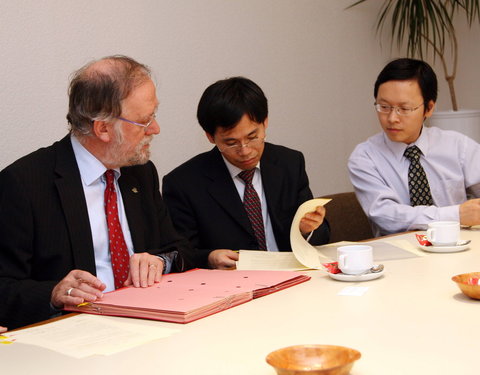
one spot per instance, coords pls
(401, 111)
(138, 124)
(254, 142)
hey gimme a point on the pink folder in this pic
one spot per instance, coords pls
(185, 297)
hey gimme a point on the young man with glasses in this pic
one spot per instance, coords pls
(84, 216)
(410, 175)
(243, 194)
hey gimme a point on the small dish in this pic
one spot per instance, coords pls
(363, 277)
(444, 249)
(468, 284)
(313, 360)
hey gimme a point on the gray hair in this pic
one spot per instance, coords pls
(97, 90)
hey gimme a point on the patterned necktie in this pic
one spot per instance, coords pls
(418, 186)
(118, 248)
(252, 205)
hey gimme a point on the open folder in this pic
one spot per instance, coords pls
(185, 297)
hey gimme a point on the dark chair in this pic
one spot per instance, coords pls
(347, 220)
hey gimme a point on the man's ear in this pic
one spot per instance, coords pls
(210, 137)
(102, 131)
(265, 123)
(429, 108)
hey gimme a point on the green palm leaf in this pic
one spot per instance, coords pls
(426, 26)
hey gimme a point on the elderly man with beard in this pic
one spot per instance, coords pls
(85, 216)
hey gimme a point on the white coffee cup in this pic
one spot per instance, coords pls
(443, 233)
(355, 259)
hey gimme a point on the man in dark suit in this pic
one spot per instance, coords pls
(210, 196)
(84, 215)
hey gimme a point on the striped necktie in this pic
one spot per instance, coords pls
(252, 205)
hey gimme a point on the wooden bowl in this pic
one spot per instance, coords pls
(464, 282)
(313, 359)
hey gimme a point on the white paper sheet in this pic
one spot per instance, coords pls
(356, 291)
(305, 253)
(406, 245)
(382, 250)
(268, 260)
(86, 335)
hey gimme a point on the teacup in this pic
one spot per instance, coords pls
(443, 233)
(355, 259)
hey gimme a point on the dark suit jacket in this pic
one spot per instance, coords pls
(206, 208)
(45, 231)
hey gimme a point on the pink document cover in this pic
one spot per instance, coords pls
(183, 297)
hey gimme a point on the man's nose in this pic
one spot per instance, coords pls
(393, 116)
(245, 149)
(154, 128)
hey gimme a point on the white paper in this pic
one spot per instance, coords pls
(407, 245)
(383, 250)
(305, 253)
(356, 291)
(86, 335)
(268, 260)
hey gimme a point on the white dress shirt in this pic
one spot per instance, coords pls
(379, 173)
(93, 181)
(257, 184)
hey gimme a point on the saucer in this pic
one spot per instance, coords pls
(444, 249)
(365, 277)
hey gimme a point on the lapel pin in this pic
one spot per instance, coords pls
(135, 190)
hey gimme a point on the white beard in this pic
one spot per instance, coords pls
(117, 154)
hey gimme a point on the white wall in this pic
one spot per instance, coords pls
(315, 61)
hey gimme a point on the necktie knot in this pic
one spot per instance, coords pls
(247, 175)
(109, 176)
(412, 153)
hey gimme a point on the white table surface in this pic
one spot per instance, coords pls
(413, 320)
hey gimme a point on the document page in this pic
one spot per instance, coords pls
(382, 250)
(86, 335)
(305, 253)
(268, 260)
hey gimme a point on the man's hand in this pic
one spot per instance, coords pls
(222, 259)
(470, 212)
(3, 329)
(75, 288)
(312, 220)
(145, 270)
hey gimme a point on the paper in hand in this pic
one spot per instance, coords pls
(303, 251)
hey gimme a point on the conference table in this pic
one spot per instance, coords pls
(412, 320)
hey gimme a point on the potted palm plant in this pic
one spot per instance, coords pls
(426, 29)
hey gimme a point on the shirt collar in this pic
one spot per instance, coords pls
(91, 169)
(234, 170)
(398, 148)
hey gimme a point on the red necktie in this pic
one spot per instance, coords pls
(118, 248)
(252, 205)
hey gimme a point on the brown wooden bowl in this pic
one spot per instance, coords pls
(313, 359)
(464, 283)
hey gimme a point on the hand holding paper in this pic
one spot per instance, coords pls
(312, 220)
(309, 216)
(303, 251)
